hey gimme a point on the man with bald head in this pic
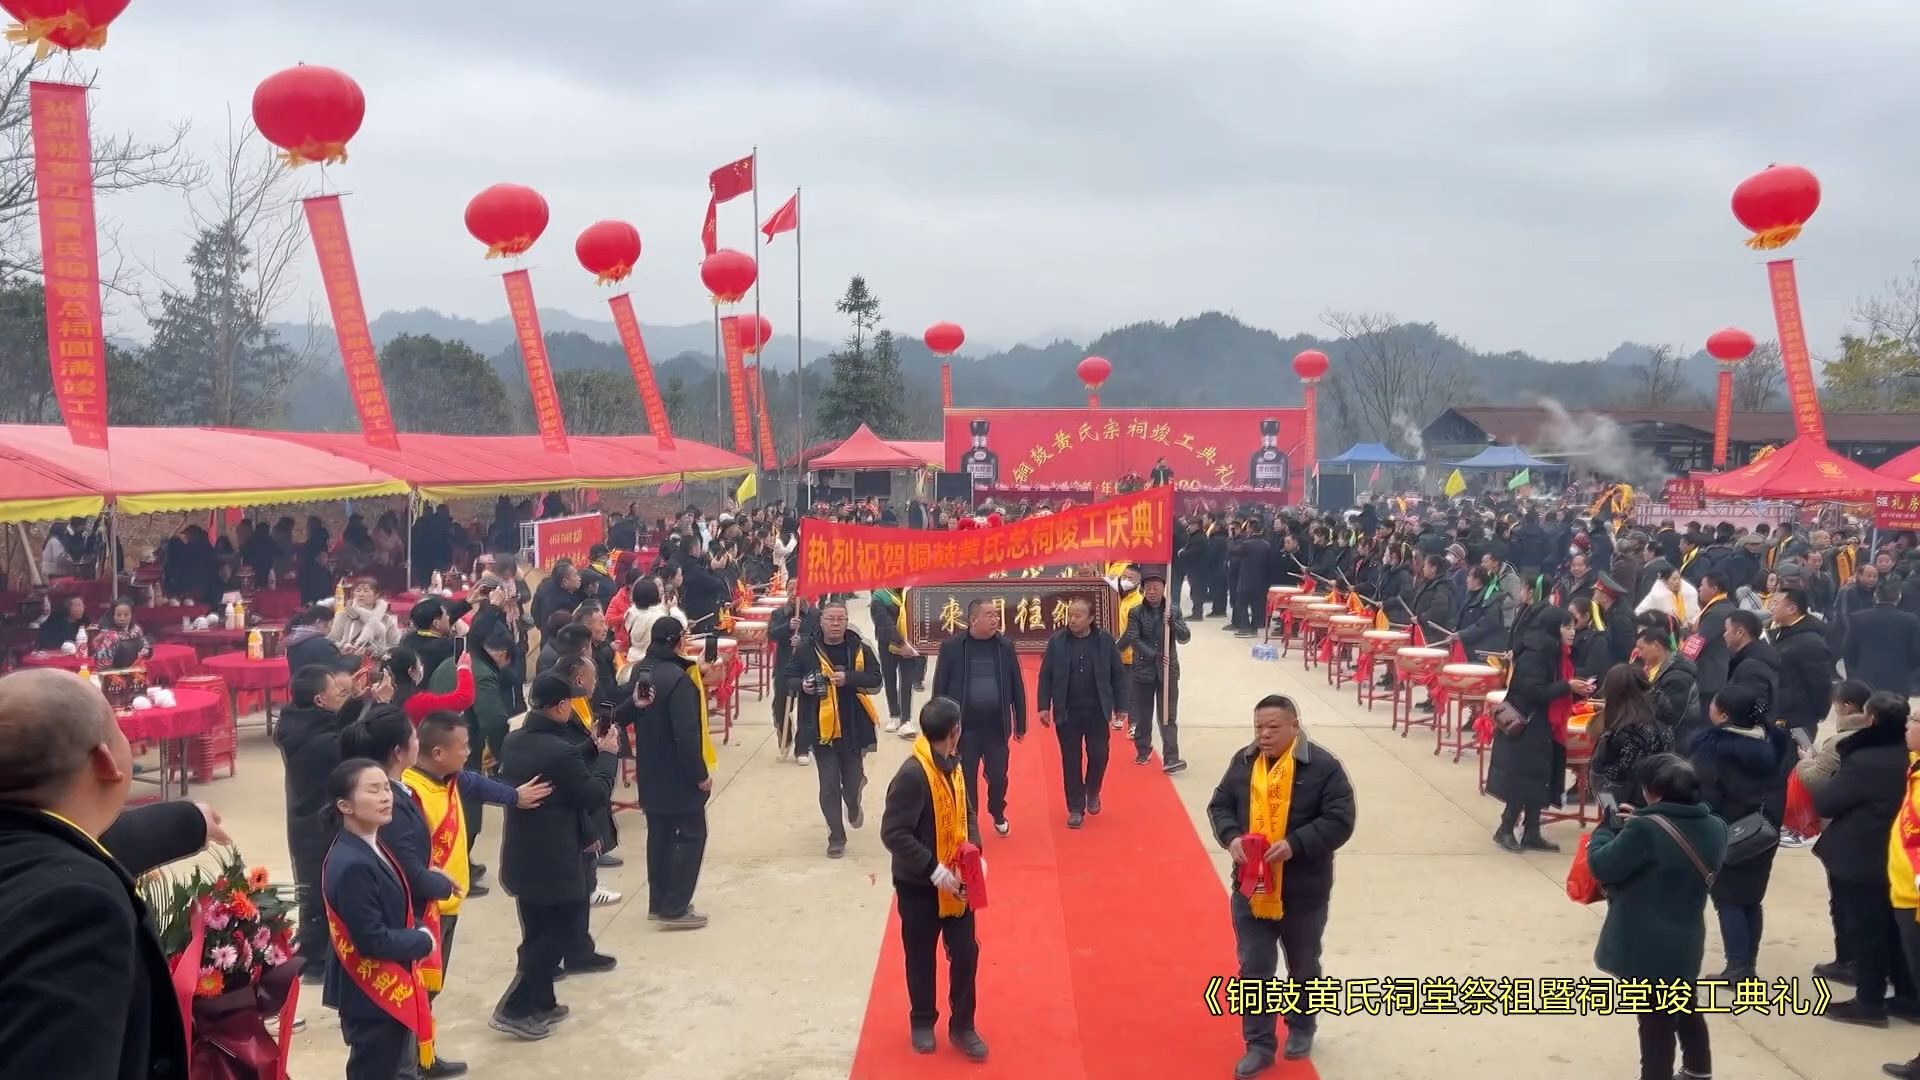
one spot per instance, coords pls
(84, 989)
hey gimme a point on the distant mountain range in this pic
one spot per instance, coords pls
(1210, 359)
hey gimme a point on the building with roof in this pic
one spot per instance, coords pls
(1681, 439)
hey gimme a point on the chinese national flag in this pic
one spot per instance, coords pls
(785, 219)
(732, 180)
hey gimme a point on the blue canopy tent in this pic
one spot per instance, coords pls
(1505, 457)
(1367, 453)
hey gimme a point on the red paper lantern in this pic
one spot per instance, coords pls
(1730, 344)
(1774, 203)
(728, 274)
(1310, 363)
(508, 218)
(1094, 371)
(752, 338)
(61, 24)
(608, 250)
(944, 338)
(310, 112)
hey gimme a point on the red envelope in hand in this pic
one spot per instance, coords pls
(973, 874)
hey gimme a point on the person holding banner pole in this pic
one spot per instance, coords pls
(1153, 631)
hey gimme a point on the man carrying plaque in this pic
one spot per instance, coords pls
(1082, 685)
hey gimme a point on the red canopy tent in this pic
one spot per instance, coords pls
(865, 450)
(35, 489)
(1806, 469)
(1904, 467)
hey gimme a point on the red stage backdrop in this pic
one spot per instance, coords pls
(1205, 448)
(850, 558)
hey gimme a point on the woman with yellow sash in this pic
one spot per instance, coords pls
(373, 978)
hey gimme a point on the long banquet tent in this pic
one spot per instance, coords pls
(44, 476)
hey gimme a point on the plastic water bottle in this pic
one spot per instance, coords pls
(80, 642)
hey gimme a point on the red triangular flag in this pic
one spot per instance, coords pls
(1419, 638)
(785, 219)
(1458, 654)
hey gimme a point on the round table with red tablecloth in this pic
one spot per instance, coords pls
(167, 614)
(210, 642)
(42, 658)
(194, 713)
(275, 605)
(243, 674)
(167, 662)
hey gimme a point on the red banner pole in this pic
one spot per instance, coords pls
(1803, 393)
(628, 325)
(1309, 397)
(70, 258)
(1722, 415)
(533, 350)
(327, 224)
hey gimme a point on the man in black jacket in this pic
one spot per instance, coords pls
(667, 718)
(837, 675)
(1154, 673)
(1806, 663)
(1319, 818)
(308, 735)
(547, 851)
(432, 637)
(1883, 642)
(979, 669)
(1752, 662)
(909, 827)
(1707, 647)
(1250, 554)
(1676, 691)
(1082, 686)
(88, 990)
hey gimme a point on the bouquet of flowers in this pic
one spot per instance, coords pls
(229, 934)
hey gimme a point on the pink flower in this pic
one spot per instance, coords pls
(224, 957)
(262, 938)
(277, 956)
(218, 917)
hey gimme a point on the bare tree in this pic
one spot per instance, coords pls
(1659, 382)
(1759, 379)
(213, 342)
(121, 162)
(1391, 378)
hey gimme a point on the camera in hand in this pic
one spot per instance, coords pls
(813, 684)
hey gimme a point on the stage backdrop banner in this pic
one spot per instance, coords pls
(1209, 447)
(567, 538)
(849, 558)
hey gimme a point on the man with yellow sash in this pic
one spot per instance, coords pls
(440, 783)
(1282, 809)
(1128, 584)
(926, 828)
(1903, 876)
(901, 665)
(837, 675)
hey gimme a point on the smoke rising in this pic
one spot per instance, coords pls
(1599, 444)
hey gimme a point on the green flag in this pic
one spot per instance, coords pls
(1520, 479)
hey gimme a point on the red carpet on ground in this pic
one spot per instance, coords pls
(1097, 944)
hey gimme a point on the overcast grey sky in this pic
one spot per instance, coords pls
(1549, 175)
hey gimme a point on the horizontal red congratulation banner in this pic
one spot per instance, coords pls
(1210, 447)
(570, 538)
(849, 558)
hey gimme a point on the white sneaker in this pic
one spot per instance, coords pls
(1791, 839)
(909, 730)
(605, 897)
(803, 759)
(893, 725)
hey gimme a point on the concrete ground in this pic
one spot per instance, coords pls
(776, 987)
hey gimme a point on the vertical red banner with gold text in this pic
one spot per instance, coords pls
(656, 406)
(946, 385)
(70, 258)
(737, 387)
(1722, 416)
(769, 453)
(1803, 394)
(1309, 405)
(533, 349)
(327, 223)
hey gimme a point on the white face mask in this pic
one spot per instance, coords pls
(1127, 586)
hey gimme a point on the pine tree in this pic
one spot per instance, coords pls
(867, 385)
(214, 360)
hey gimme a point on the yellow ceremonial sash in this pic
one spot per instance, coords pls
(1680, 603)
(1128, 601)
(1688, 558)
(706, 737)
(948, 790)
(583, 712)
(1844, 562)
(1268, 803)
(397, 988)
(447, 822)
(830, 726)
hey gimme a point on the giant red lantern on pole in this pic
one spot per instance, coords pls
(944, 338)
(1310, 365)
(61, 24)
(728, 275)
(1729, 346)
(1773, 204)
(310, 112)
(753, 337)
(508, 218)
(1093, 371)
(608, 250)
